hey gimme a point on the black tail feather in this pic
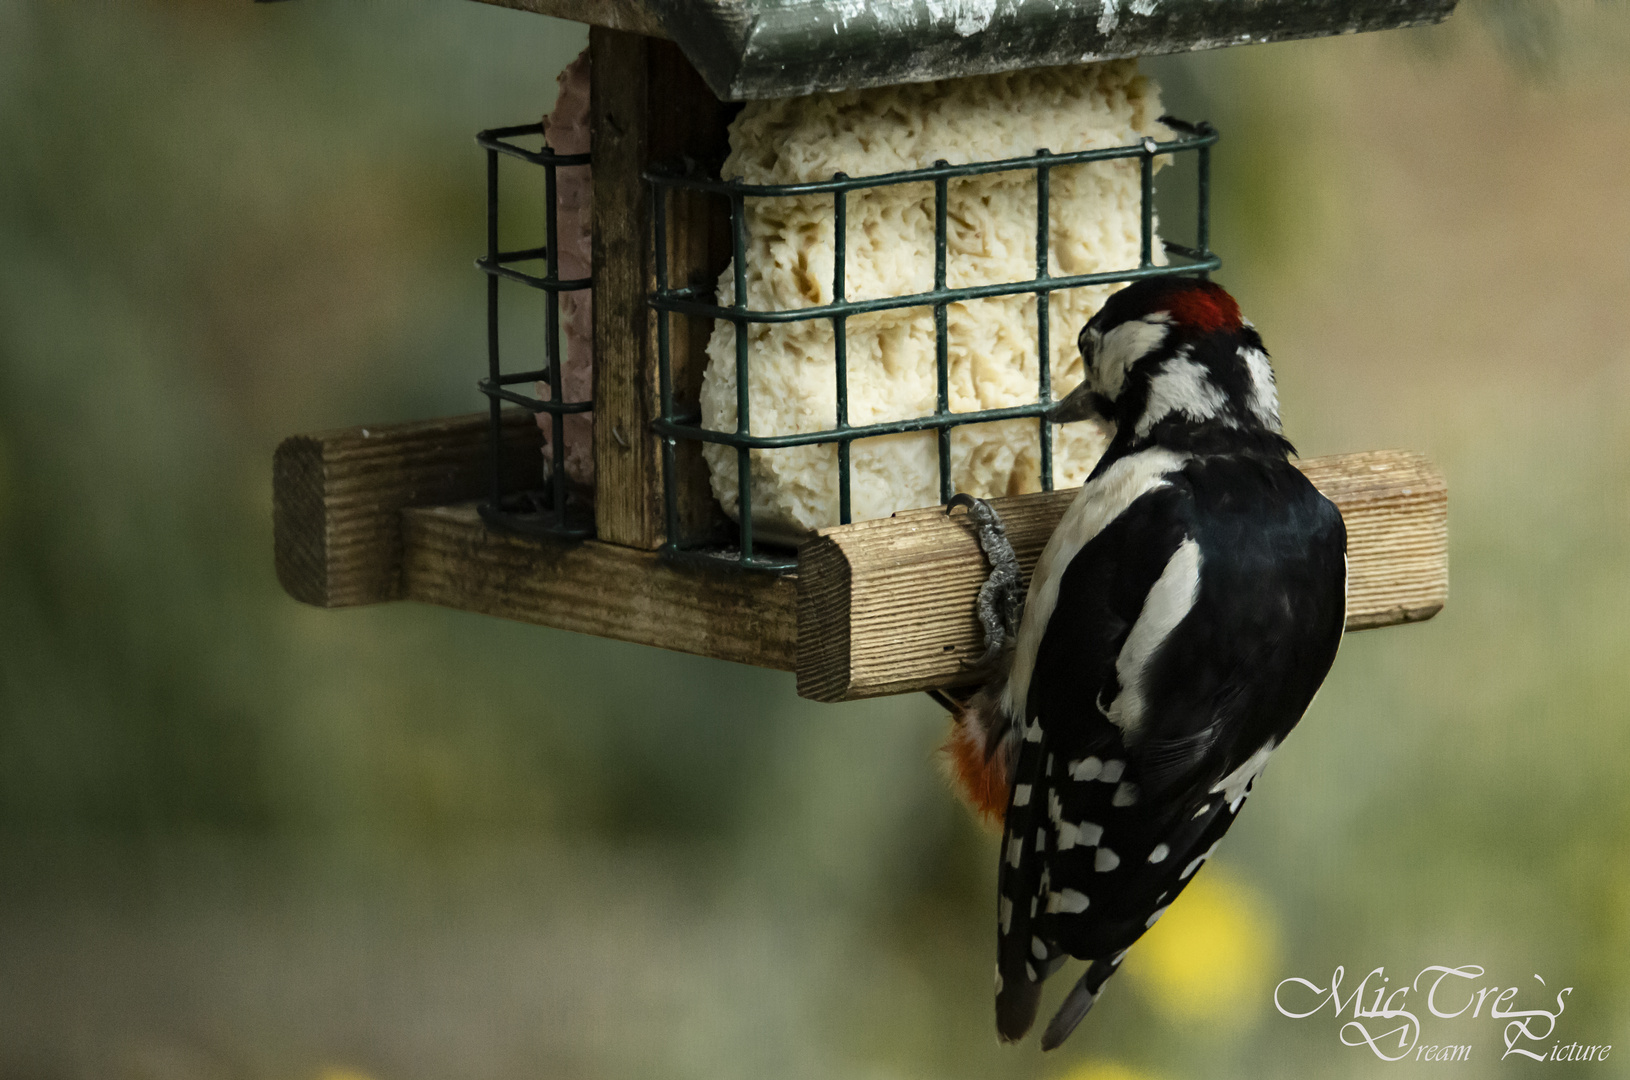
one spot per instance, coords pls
(1081, 998)
(1016, 1004)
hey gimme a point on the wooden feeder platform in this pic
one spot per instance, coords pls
(372, 514)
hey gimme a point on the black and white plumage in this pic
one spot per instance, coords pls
(1177, 625)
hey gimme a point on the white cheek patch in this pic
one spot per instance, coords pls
(1264, 399)
(1167, 604)
(1114, 353)
(1100, 502)
(1181, 386)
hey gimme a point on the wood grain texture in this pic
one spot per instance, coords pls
(627, 470)
(451, 559)
(648, 105)
(887, 606)
(689, 123)
(337, 497)
(364, 515)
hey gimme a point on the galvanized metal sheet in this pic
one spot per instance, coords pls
(780, 48)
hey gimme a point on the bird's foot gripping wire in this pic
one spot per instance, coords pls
(1001, 597)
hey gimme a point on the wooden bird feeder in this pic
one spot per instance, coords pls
(426, 511)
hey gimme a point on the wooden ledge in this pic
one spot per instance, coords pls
(887, 606)
(366, 515)
(450, 558)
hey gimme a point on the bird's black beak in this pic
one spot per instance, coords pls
(1079, 404)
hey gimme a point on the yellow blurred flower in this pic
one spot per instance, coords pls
(1210, 957)
(1104, 1070)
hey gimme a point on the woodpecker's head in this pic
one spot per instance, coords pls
(1171, 355)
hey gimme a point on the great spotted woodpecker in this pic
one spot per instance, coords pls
(1177, 625)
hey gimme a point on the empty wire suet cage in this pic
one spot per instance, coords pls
(483, 512)
(552, 509)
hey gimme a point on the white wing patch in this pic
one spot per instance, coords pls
(1168, 602)
(1182, 386)
(1102, 500)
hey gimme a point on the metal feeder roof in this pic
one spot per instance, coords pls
(748, 49)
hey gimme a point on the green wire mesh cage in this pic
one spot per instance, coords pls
(552, 508)
(698, 301)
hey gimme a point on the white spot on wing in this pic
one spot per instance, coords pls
(1111, 771)
(1155, 917)
(1021, 795)
(1125, 795)
(1015, 850)
(1085, 834)
(1005, 910)
(1159, 853)
(1029, 972)
(1086, 770)
(1038, 948)
(1067, 901)
(1168, 603)
(1101, 501)
(1195, 865)
(1106, 861)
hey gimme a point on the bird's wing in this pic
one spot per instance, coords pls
(1067, 735)
(1186, 643)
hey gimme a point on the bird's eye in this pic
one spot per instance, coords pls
(1088, 343)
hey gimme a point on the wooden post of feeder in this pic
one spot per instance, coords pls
(648, 106)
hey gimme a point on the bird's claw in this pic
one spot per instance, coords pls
(1001, 597)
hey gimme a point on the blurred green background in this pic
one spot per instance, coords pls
(244, 838)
